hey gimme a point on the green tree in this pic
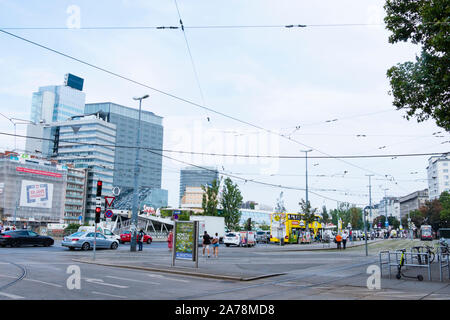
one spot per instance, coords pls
(356, 219)
(394, 222)
(444, 199)
(264, 226)
(210, 199)
(431, 211)
(307, 212)
(422, 87)
(231, 201)
(325, 215)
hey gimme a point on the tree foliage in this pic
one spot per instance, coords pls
(231, 201)
(422, 87)
(307, 212)
(210, 199)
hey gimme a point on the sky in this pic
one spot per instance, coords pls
(290, 81)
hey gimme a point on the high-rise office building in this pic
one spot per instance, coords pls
(438, 175)
(126, 121)
(87, 142)
(196, 177)
(51, 104)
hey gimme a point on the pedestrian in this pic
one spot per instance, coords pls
(1, 227)
(206, 243)
(338, 240)
(344, 239)
(141, 239)
(215, 243)
(170, 240)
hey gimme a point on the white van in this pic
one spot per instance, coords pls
(106, 232)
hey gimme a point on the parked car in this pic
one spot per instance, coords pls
(19, 238)
(105, 231)
(85, 241)
(126, 237)
(262, 236)
(232, 239)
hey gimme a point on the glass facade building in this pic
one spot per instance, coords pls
(84, 142)
(151, 134)
(196, 177)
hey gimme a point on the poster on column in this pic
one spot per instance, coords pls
(36, 194)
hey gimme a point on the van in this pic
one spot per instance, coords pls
(105, 231)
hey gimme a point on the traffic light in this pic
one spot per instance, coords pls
(99, 188)
(97, 214)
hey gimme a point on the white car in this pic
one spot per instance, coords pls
(232, 239)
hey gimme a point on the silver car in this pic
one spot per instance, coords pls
(85, 241)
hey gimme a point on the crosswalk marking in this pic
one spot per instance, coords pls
(12, 296)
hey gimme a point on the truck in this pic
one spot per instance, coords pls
(210, 224)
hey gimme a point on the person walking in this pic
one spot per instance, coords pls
(215, 243)
(141, 239)
(344, 239)
(170, 240)
(206, 243)
(338, 240)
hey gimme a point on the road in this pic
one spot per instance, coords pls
(37, 273)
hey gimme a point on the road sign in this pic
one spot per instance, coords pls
(386, 224)
(176, 214)
(108, 213)
(109, 201)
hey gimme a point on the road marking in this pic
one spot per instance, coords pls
(166, 278)
(100, 281)
(109, 295)
(12, 296)
(32, 280)
(127, 279)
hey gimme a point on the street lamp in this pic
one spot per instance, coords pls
(134, 216)
(306, 175)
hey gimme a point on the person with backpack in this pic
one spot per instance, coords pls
(141, 239)
(206, 243)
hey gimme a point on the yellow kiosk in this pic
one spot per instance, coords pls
(291, 226)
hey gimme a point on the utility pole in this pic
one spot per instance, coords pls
(306, 174)
(370, 208)
(134, 216)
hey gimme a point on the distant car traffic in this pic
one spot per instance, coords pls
(262, 236)
(232, 239)
(19, 238)
(85, 241)
(126, 237)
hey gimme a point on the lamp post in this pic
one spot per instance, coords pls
(306, 174)
(134, 216)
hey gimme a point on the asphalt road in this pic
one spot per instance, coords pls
(37, 273)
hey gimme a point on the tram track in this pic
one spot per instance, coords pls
(278, 281)
(22, 276)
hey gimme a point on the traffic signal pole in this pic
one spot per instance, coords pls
(98, 209)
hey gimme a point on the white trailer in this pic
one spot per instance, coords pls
(210, 224)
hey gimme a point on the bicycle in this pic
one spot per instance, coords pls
(423, 259)
(400, 266)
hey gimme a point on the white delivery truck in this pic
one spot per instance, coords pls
(210, 224)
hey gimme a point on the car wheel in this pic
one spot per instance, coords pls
(15, 244)
(85, 246)
(227, 245)
(114, 245)
(121, 242)
(47, 243)
(71, 248)
(149, 241)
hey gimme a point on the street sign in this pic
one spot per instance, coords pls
(109, 201)
(176, 214)
(386, 224)
(108, 214)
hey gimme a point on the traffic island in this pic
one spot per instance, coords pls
(218, 275)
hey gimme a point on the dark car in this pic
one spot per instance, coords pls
(19, 238)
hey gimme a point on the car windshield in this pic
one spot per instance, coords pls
(260, 232)
(231, 235)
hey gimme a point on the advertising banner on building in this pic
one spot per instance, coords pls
(36, 194)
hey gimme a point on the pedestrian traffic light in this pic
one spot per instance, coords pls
(99, 188)
(97, 214)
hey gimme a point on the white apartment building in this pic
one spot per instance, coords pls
(438, 175)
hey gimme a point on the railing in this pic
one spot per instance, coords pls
(392, 259)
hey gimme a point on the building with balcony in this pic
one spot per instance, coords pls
(438, 175)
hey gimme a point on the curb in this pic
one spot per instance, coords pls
(181, 272)
(323, 249)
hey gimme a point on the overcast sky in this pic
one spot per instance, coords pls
(275, 78)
